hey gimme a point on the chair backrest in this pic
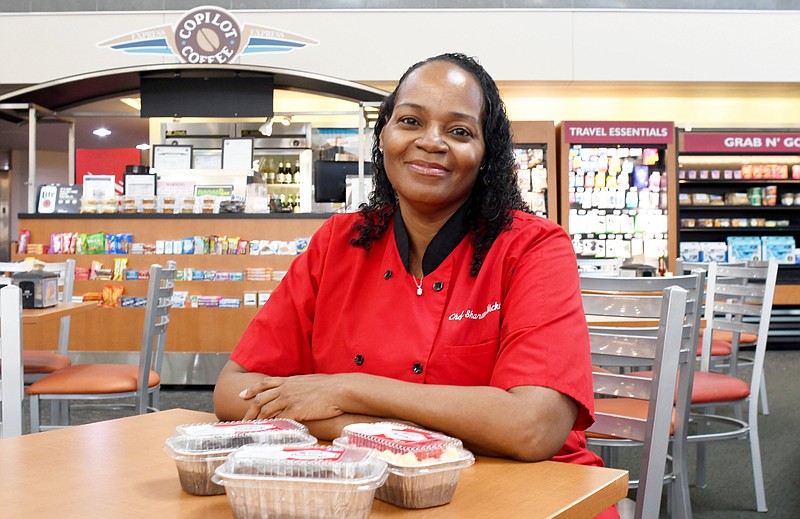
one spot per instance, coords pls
(684, 267)
(154, 332)
(66, 282)
(11, 380)
(669, 353)
(732, 294)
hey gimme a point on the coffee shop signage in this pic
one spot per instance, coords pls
(207, 35)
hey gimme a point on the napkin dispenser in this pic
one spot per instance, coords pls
(39, 288)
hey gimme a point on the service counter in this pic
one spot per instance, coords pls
(199, 339)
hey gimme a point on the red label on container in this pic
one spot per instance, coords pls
(740, 142)
(626, 132)
(309, 453)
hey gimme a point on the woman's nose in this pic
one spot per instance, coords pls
(432, 139)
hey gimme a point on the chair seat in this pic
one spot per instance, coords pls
(719, 347)
(629, 407)
(91, 379)
(725, 335)
(37, 361)
(709, 387)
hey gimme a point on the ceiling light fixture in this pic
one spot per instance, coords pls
(143, 146)
(102, 132)
(133, 102)
(266, 128)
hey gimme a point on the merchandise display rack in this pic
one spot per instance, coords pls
(614, 188)
(535, 154)
(193, 332)
(736, 183)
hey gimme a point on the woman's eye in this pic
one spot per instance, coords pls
(462, 132)
(407, 120)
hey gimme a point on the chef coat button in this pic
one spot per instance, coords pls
(438, 286)
(359, 360)
(387, 274)
(417, 368)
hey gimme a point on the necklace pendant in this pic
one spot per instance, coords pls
(419, 291)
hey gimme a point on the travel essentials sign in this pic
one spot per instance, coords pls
(740, 142)
(207, 34)
(629, 132)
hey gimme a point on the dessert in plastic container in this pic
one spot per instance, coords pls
(198, 449)
(301, 482)
(424, 466)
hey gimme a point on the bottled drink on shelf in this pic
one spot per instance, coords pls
(280, 178)
(270, 171)
(296, 173)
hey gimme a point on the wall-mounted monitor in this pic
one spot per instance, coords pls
(330, 179)
(206, 96)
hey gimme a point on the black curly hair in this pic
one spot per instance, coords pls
(495, 193)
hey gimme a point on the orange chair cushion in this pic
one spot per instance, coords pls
(719, 347)
(37, 361)
(90, 379)
(725, 335)
(630, 407)
(709, 387)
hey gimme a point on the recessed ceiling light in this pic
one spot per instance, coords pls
(133, 102)
(102, 132)
(143, 146)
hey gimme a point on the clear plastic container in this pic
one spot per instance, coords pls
(198, 449)
(424, 466)
(301, 482)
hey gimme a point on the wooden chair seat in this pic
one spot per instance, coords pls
(91, 379)
(38, 361)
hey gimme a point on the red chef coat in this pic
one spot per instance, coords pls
(520, 321)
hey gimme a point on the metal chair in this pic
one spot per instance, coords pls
(104, 381)
(641, 299)
(11, 360)
(726, 345)
(727, 306)
(37, 363)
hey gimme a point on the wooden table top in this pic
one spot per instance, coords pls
(39, 315)
(118, 469)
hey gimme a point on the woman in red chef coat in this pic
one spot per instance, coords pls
(442, 302)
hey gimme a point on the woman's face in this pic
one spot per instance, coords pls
(433, 142)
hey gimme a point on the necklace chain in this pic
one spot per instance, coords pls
(418, 283)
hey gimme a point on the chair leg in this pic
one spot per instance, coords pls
(34, 405)
(65, 412)
(681, 500)
(755, 453)
(700, 477)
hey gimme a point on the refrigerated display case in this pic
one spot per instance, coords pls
(534, 151)
(613, 188)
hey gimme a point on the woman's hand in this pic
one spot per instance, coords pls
(300, 397)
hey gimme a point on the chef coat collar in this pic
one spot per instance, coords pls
(446, 240)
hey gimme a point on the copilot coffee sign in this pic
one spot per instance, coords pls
(207, 34)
